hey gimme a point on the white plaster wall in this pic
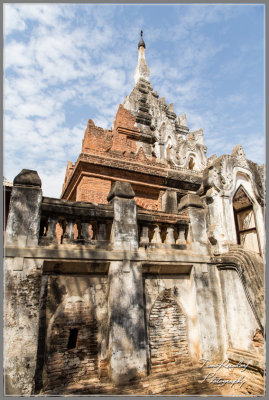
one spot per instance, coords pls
(229, 221)
(240, 321)
(216, 222)
(209, 311)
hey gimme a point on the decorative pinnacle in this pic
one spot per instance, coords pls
(141, 43)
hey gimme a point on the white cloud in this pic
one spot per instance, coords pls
(73, 58)
(42, 13)
(12, 19)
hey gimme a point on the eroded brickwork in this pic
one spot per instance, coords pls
(167, 333)
(72, 344)
(124, 118)
(96, 138)
(122, 139)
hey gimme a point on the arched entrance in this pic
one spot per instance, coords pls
(168, 333)
(245, 221)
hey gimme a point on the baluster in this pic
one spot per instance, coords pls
(101, 231)
(77, 233)
(51, 229)
(181, 235)
(69, 231)
(156, 235)
(170, 238)
(144, 238)
(85, 233)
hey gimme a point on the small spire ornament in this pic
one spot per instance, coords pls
(141, 43)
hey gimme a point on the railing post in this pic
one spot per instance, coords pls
(198, 234)
(127, 341)
(169, 201)
(25, 210)
(22, 286)
(101, 231)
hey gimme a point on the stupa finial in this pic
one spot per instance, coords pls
(142, 70)
(141, 43)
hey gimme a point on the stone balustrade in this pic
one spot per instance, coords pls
(159, 233)
(65, 222)
(158, 229)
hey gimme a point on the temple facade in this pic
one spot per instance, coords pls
(148, 268)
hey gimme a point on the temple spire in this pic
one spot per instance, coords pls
(142, 70)
(141, 43)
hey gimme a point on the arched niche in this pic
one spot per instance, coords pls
(168, 338)
(191, 163)
(72, 348)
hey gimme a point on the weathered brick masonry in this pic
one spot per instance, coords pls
(167, 333)
(67, 361)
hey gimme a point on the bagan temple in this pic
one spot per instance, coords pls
(146, 276)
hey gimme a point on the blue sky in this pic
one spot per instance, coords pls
(66, 63)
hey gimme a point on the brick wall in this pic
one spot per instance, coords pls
(124, 118)
(96, 138)
(94, 190)
(112, 146)
(146, 197)
(123, 144)
(167, 333)
(68, 362)
(68, 173)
